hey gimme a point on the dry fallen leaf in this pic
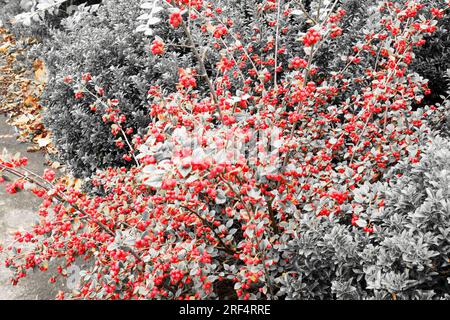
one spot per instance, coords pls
(33, 148)
(43, 142)
(40, 73)
(55, 165)
(21, 88)
(4, 48)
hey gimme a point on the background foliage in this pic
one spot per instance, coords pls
(360, 206)
(407, 255)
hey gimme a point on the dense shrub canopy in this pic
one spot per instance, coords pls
(407, 255)
(105, 46)
(282, 150)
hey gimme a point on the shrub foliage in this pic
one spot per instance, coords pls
(250, 169)
(406, 257)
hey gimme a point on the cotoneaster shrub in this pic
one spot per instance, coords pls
(229, 175)
(105, 47)
(430, 60)
(86, 144)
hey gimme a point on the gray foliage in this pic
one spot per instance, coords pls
(407, 256)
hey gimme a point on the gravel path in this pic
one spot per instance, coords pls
(19, 211)
(16, 212)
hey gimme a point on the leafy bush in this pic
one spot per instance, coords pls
(430, 59)
(125, 70)
(85, 142)
(105, 46)
(102, 45)
(37, 17)
(442, 122)
(432, 62)
(251, 144)
(406, 257)
(11, 8)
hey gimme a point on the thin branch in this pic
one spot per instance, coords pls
(305, 12)
(227, 248)
(60, 197)
(202, 67)
(277, 35)
(98, 99)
